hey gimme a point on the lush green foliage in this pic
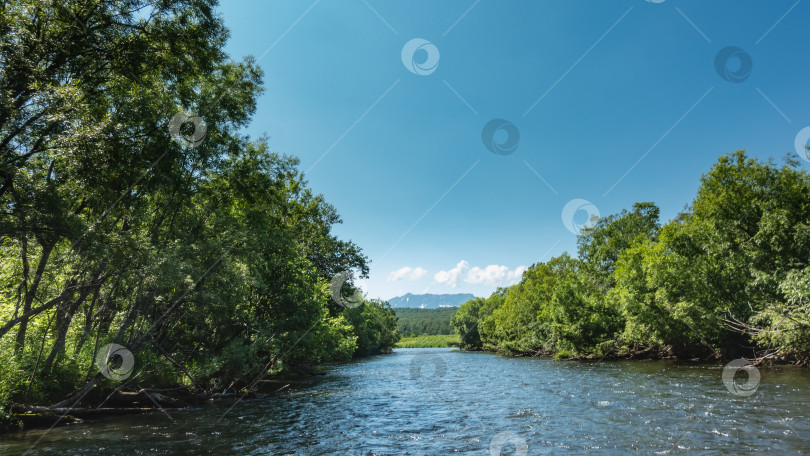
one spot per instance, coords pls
(417, 322)
(728, 277)
(210, 261)
(373, 323)
(438, 340)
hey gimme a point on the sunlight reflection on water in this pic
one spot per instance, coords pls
(460, 402)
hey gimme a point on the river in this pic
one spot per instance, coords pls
(442, 402)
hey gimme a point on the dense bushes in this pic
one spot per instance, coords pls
(374, 323)
(728, 277)
(195, 247)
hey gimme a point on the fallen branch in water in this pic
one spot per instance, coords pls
(23, 410)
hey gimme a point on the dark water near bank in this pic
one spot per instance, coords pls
(440, 402)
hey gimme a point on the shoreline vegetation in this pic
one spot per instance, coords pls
(728, 277)
(426, 328)
(429, 341)
(151, 254)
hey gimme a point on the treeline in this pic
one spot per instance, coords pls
(728, 277)
(416, 322)
(134, 212)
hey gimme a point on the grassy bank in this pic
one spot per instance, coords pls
(440, 340)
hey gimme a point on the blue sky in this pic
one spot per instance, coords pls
(591, 87)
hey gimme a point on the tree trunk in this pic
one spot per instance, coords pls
(22, 290)
(31, 293)
(63, 320)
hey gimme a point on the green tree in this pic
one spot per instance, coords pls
(465, 321)
(724, 278)
(209, 259)
(374, 323)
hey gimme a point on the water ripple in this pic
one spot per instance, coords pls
(439, 402)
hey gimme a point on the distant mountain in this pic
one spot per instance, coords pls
(430, 301)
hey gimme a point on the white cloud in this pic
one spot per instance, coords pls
(491, 275)
(407, 273)
(450, 277)
(516, 274)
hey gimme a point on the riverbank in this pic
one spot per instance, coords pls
(433, 341)
(146, 401)
(646, 355)
(727, 278)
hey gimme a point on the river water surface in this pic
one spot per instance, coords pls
(442, 402)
